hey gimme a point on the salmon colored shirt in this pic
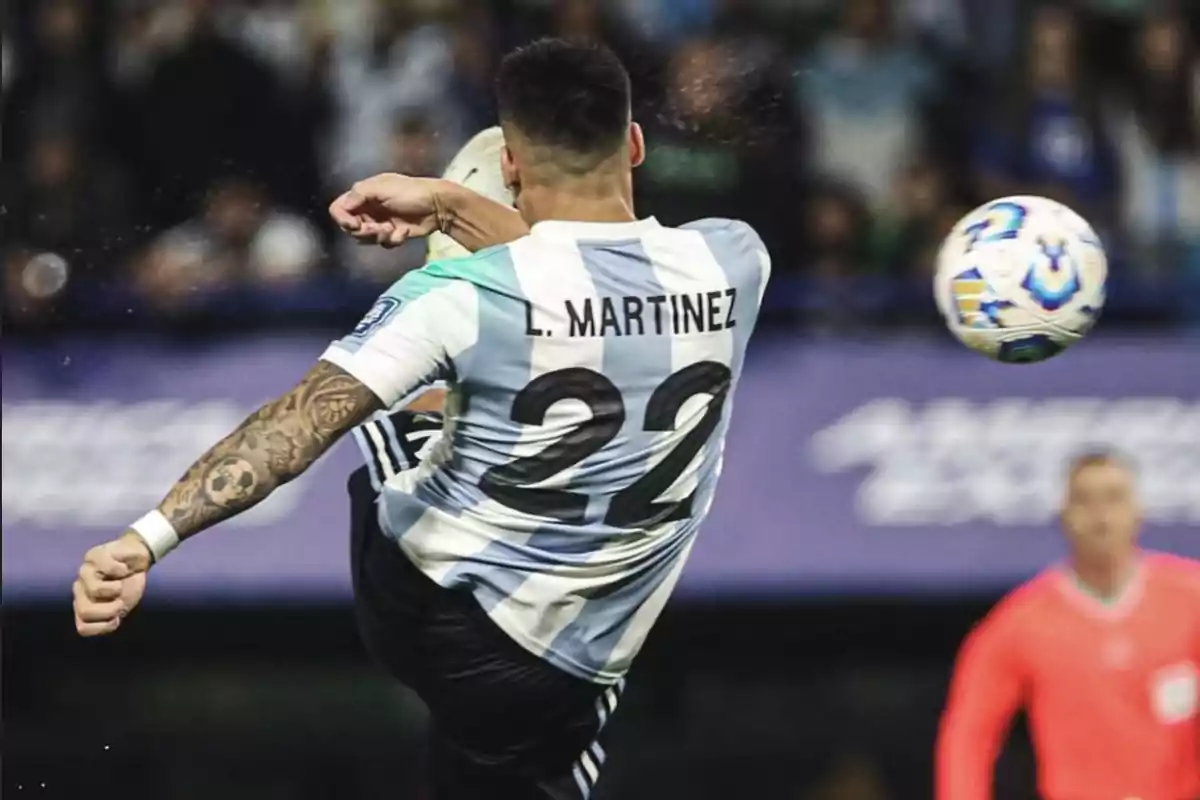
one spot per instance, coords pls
(1111, 690)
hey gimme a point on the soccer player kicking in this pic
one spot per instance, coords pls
(1104, 655)
(512, 576)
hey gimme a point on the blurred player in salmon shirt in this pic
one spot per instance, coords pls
(1103, 654)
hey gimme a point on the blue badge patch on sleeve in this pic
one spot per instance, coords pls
(380, 313)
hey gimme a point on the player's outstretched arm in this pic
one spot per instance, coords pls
(389, 209)
(271, 447)
(985, 693)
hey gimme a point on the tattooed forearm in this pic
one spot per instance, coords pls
(274, 445)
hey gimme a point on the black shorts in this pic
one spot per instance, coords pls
(506, 725)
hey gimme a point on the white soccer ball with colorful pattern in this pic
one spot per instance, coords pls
(1020, 279)
(477, 167)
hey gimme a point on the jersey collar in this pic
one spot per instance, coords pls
(594, 231)
(1116, 607)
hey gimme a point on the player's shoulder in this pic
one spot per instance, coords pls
(724, 227)
(469, 267)
(1026, 602)
(476, 269)
(1174, 572)
(441, 291)
(1042, 588)
(734, 243)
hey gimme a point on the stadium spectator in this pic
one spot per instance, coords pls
(68, 200)
(473, 44)
(55, 74)
(393, 58)
(142, 34)
(210, 108)
(665, 23)
(413, 150)
(284, 34)
(67, 217)
(908, 229)
(835, 223)
(238, 239)
(292, 38)
(864, 90)
(995, 31)
(710, 152)
(1046, 137)
(944, 25)
(1157, 133)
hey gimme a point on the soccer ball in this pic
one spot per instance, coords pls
(1020, 279)
(477, 167)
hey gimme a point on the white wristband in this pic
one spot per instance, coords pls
(157, 532)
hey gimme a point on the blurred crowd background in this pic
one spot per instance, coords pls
(171, 161)
(166, 169)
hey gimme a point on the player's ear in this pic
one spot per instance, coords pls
(508, 168)
(637, 145)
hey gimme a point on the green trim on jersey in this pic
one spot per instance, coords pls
(462, 267)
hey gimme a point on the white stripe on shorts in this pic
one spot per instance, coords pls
(586, 770)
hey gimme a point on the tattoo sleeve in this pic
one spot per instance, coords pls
(274, 445)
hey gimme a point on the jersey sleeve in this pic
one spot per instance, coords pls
(985, 693)
(411, 335)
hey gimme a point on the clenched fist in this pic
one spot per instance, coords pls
(111, 583)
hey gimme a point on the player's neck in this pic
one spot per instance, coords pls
(591, 201)
(1105, 579)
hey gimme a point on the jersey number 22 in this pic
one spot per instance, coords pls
(636, 506)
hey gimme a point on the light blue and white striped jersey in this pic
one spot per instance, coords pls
(591, 368)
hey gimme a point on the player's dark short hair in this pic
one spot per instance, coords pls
(573, 96)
